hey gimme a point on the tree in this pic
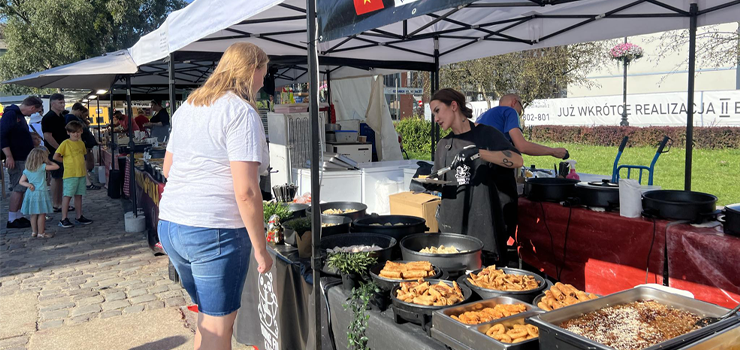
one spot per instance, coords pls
(532, 74)
(716, 46)
(42, 34)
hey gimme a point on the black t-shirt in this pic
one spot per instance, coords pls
(54, 123)
(161, 117)
(473, 205)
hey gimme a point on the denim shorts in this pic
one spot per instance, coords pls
(212, 264)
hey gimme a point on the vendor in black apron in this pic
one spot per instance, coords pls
(474, 153)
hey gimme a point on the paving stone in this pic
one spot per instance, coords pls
(68, 274)
(10, 283)
(115, 296)
(133, 309)
(110, 313)
(170, 294)
(50, 324)
(158, 289)
(86, 295)
(153, 305)
(141, 285)
(56, 295)
(12, 342)
(113, 305)
(143, 299)
(84, 310)
(65, 305)
(53, 315)
(173, 302)
(136, 292)
(92, 300)
(79, 291)
(79, 319)
(110, 282)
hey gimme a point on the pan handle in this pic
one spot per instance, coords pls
(721, 218)
(623, 144)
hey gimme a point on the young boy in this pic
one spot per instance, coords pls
(72, 153)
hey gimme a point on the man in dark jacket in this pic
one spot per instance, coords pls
(16, 143)
(53, 126)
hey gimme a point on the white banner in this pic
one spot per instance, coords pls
(711, 108)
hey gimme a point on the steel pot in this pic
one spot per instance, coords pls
(731, 219)
(388, 283)
(297, 210)
(400, 225)
(679, 205)
(359, 209)
(469, 259)
(603, 194)
(549, 189)
(342, 226)
(526, 296)
(358, 238)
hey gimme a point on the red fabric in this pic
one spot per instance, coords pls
(607, 253)
(365, 6)
(140, 120)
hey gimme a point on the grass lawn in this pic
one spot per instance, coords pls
(714, 171)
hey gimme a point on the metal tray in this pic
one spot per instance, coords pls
(429, 181)
(474, 336)
(554, 337)
(442, 321)
(728, 339)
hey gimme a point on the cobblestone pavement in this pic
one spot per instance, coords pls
(84, 273)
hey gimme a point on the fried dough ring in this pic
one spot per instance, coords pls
(517, 333)
(496, 329)
(502, 338)
(533, 331)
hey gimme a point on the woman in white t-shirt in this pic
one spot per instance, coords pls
(210, 215)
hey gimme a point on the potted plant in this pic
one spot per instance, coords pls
(275, 208)
(352, 267)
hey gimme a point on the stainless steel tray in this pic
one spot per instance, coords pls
(552, 336)
(728, 339)
(470, 335)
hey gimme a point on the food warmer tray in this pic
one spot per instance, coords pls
(474, 336)
(728, 339)
(554, 337)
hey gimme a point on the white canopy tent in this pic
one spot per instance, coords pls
(483, 28)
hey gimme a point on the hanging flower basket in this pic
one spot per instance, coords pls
(626, 52)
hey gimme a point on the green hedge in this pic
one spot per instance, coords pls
(704, 137)
(415, 134)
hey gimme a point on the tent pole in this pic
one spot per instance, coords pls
(328, 92)
(436, 87)
(313, 88)
(131, 144)
(113, 138)
(693, 10)
(431, 131)
(100, 146)
(173, 95)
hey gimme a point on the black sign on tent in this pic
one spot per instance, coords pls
(341, 18)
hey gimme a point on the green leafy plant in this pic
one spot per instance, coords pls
(352, 263)
(275, 208)
(359, 303)
(299, 225)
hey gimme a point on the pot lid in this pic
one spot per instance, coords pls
(734, 207)
(604, 183)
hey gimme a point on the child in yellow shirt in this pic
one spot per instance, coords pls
(72, 153)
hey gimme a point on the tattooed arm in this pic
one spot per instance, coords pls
(505, 158)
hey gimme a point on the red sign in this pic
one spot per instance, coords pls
(421, 103)
(364, 6)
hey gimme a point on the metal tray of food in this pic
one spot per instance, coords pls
(442, 320)
(728, 339)
(474, 337)
(554, 337)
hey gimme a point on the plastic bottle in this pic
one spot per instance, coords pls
(572, 174)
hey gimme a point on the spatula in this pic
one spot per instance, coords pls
(706, 321)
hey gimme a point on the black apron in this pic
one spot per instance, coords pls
(473, 206)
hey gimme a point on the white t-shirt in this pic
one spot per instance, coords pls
(200, 190)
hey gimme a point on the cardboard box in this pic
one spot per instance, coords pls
(416, 204)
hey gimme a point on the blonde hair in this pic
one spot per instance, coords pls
(37, 157)
(235, 73)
